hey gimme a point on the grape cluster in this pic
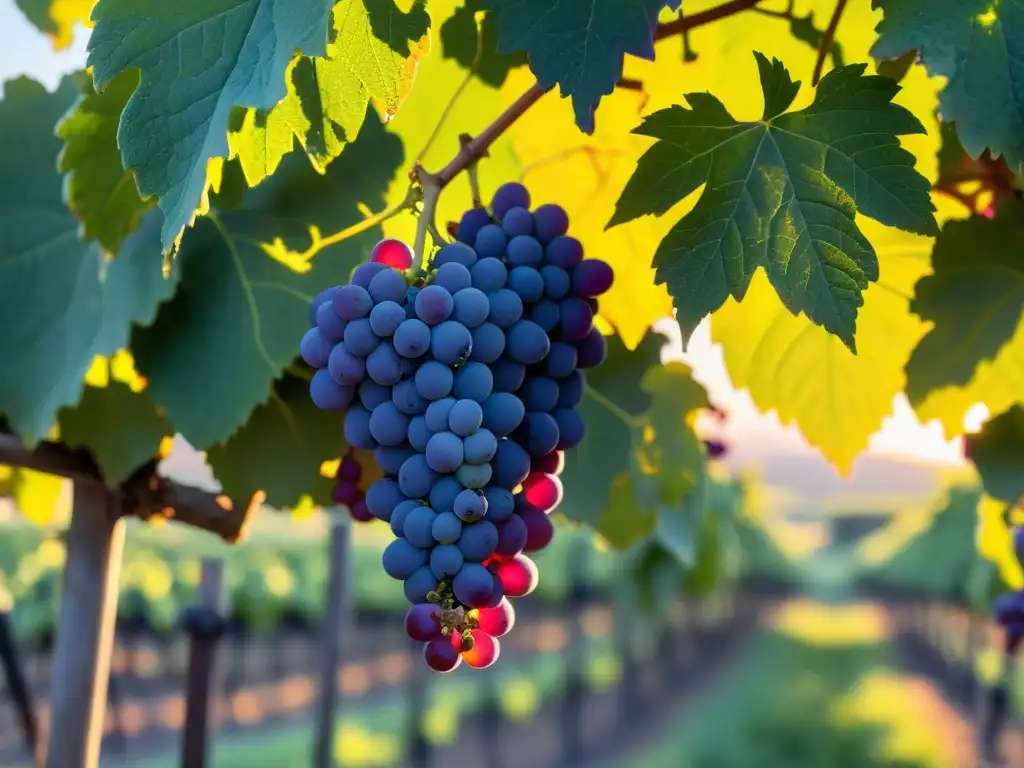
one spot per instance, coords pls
(463, 380)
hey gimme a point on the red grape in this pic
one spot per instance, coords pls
(543, 491)
(485, 650)
(360, 512)
(392, 252)
(518, 576)
(441, 655)
(423, 622)
(499, 620)
(539, 529)
(550, 463)
(350, 469)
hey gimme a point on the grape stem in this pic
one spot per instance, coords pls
(475, 148)
(826, 40)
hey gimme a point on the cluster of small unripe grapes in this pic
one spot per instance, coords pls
(463, 379)
(1009, 608)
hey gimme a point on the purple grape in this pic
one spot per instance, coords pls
(510, 195)
(351, 302)
(330, 325)
(550, 221)
(327, 394)
(517, 221)
(512, 536)
(473, 585)
(577, 318)
(489, 275)
(472, 222)
(423, 622)
(365, 272)
(441, 655)
(591, 350)
(434, 305)
(564, 251)
(592, 278)
(490, 242)
(456, 253)
(524, 250)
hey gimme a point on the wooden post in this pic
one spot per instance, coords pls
(85, 629)
(336, 620)
(17, 684)
(205, 633)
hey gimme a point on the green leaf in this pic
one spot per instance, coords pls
(373, 56)
(118, 451)
(61, 302)
(974, 298)
(198, 60)
(279, 450)
(678, 528)
(213, 352)
(577, 44)
(671, 448)
(98, 189)
(624, 522)
(462, 42)
(978, 45)
(612, 408)
(640, 460)
(998, 453)
(781, 195)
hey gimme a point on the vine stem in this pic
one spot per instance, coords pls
(616, 410)
(470, 151)
(826, 40)
(686, 23)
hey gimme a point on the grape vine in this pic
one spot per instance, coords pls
(844, 221)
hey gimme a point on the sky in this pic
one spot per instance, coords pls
(24, 50)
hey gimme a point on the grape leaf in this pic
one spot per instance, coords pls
(612, 408)
(61, 303)
(670, 448)
(781, 194)
(974, 298)
(57, 18)
(98, 189)
(638, 440)
(213, 352)
(978, 45)
(624, 522)
(462, 42)
(678, 526)
(198, 60)
(373, 55)
(998, 453)
(279, 450)
(805, 374)
(578, 44)
(121, 450)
